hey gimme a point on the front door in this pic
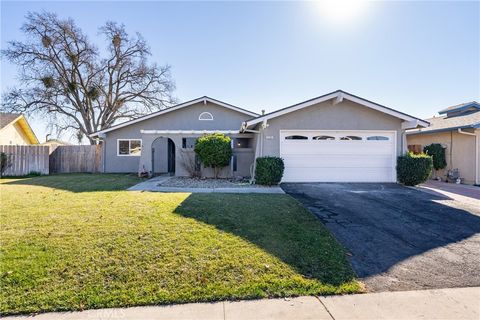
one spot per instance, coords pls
(171, 156)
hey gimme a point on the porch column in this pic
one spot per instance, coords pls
(145, 163)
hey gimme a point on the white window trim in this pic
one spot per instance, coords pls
(205, 113)
(129, 155)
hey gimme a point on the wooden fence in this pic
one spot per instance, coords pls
(65, 159)
(26, 159)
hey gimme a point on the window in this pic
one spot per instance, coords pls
(205, 116)
(323, 138)
(234, 163)
(241, 143)
(295, 137)
(377, 138)
(188, 143)
(351, 138)
(129, 147)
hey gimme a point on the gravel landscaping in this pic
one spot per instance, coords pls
(185, 182)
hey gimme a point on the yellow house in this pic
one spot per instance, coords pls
(15, 130)
(457, 128)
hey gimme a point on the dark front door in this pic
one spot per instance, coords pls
(171, 156)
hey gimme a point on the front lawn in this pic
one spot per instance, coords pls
(73, 242)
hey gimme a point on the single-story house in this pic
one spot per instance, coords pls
(334, 137)
(458, 130)
(15, 130)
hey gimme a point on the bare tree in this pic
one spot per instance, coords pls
(64, 77)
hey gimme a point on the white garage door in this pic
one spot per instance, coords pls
(338, 156)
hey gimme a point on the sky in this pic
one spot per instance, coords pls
(416, 57)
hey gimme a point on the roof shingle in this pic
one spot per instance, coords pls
(446, 123)
(7, 118)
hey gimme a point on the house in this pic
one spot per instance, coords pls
(335, 137)
(15, 130)
(458, 130)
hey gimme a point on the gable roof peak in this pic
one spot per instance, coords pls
(339, 95)
(203, 99)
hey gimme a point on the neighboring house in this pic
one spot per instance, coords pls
(458, 130)
(55, 143)
(334, 137)
(15, 130)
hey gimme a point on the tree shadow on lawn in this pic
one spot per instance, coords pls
(79, 182)
(384, 224)
(279, 226)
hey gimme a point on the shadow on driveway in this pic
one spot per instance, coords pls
(398, 238)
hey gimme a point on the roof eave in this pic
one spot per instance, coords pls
(27, 129)
(460, 108)
(419, 131)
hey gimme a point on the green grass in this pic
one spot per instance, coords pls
(73, 242)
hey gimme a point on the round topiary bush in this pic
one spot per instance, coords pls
(269, 170)
(413, 169)
(214, 151)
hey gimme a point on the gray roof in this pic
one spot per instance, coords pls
(6, 118)
(460, 106)
(443, 123)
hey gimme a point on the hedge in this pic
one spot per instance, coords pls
(413, 169)
(438, 154)
(269, 170)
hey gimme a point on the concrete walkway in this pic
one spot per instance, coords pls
(457, 303)
(453, 190)
(152, 186)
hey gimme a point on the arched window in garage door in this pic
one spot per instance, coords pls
(296, 137)
(351, 138)
(377, 138)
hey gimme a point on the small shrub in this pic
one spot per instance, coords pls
(34, 174)
(214, 151)
(5, 163)
(189, 163)
(437, 152)
(269, 170)
(413, 169)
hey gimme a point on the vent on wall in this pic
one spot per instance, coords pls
(205, 116)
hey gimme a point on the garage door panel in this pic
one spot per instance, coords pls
(314, 148)
(332, 161)
(338, 160)
(338, 174)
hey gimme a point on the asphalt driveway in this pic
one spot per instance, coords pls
(399, 238)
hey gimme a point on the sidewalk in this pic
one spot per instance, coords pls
(456, 303)
(453, 190)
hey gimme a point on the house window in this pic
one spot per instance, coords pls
(296, 137)
(234, 163)
(129, 147)
(241, 143)
(377, 138)
(188, 143)
(323, 138)
(351, 138)
(205, 116)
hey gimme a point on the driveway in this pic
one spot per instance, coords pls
(399, 238)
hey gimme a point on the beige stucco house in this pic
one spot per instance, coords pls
(457, 128)
(15, 130)
(336, 137)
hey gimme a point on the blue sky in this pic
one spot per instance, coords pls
(417, 57)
